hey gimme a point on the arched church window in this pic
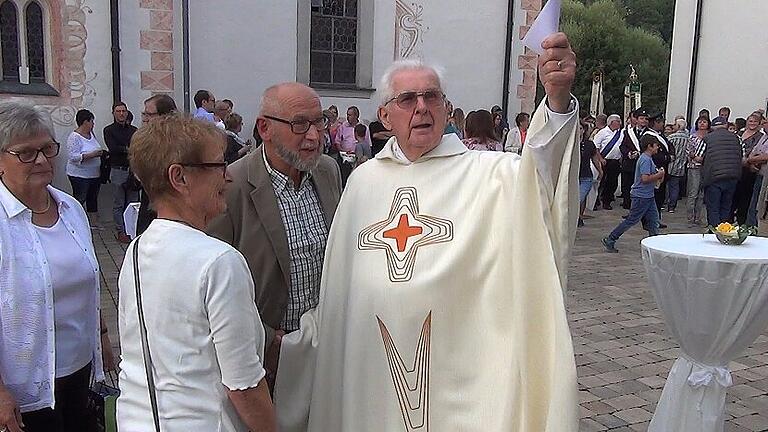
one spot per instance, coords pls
(9, 40)
(25, 47)
(35, 43)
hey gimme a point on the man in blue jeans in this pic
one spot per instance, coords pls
(642, 194)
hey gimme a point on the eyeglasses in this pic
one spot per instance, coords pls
(29, 156)
(409, 99)
(207, 165)
(149, 114)
(301, 127)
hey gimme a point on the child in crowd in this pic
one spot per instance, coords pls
(642, 193)
(362, 148)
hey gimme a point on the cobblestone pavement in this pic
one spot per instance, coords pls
(623, 350)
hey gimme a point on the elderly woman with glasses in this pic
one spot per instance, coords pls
(191, 337)
(50, 337)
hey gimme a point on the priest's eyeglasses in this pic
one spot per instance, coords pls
(300, 127)
(408, 99)
(30, 156)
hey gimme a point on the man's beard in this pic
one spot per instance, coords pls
(294, 158)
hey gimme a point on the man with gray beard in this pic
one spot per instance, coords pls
(279, 209)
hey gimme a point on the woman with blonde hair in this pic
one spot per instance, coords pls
(191, 337)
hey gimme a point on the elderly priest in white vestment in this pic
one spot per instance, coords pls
(441, 305)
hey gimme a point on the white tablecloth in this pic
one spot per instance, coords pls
(714, 299)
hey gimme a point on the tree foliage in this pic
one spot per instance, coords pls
(603, 40)
(656, 16)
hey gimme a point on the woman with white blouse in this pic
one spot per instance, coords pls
(84, 164)
(191, 337)
(50, 337)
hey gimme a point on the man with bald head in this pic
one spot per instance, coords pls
(444, 309)
(279, 209)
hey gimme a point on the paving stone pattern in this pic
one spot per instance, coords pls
(623, 351)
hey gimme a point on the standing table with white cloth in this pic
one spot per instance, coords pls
(714, 300)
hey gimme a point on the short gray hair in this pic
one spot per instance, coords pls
(681, 124)
(20, 120)
(385, 91)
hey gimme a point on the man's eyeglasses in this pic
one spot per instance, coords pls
(207, 165)
(29, 156)
(149, 114)
(301, 127)
(409, 99)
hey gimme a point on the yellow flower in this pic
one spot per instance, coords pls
(727, 229)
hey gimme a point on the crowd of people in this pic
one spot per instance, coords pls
(224, 301)
(718, 165)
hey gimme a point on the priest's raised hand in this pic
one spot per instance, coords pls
(557, 71)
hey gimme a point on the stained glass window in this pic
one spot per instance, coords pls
(35, 43)
(9, 41)
(333, 43)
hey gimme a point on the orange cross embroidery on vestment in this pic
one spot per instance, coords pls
(402, 234)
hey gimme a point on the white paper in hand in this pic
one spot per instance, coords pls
(546, 24)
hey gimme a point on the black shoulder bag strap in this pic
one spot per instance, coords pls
(144, 341)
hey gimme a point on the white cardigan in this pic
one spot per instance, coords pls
(27, 336)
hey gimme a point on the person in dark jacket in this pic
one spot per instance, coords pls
(118, 136)
(630, 151)
(721, 154)
(236, 147)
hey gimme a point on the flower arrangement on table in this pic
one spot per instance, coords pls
(732, 234)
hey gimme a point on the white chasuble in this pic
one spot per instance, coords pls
(442, 299)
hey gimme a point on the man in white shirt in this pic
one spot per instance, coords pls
(607, 141)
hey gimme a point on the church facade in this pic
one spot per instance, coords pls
(719, 58)
(72, 54)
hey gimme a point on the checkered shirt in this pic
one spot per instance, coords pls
(680, 141)
(307, 234)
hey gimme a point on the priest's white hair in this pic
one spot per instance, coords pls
(385, 91)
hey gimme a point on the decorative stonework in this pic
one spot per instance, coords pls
(527, 62)
(531, 5)
(156, 80)
(162, 61)
(166, 5)
(409, 29)
(161, 20)
(155, 40)
(158, 40)
(78, 93)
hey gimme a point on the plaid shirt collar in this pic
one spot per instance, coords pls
(280, 181)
